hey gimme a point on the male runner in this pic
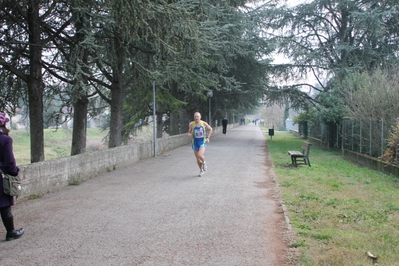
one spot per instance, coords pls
(198, 132)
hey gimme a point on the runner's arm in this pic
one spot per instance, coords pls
(190, 130)
(210, 130)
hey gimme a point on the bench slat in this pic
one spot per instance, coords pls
(296, 153)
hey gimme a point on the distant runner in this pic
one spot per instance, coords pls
(198, 132)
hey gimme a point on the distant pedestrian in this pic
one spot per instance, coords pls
(224, 124)
(8, 166)
(198, 132)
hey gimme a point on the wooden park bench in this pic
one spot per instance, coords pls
(304, 155)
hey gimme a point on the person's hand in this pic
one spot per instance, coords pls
(208, 140)
(189, 134)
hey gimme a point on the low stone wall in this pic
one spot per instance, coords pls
(371, 162)
(48, 176)
(43, 177)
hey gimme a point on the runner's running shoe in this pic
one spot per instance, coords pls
(204, 166)
(201, 173)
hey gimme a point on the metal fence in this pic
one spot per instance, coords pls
(366, 137)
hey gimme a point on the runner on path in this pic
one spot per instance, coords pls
(197, 131)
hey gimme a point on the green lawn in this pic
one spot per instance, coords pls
(57, 143)
(339, 211)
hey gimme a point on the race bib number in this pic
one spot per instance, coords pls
(199, 132)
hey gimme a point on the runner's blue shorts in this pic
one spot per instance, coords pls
(197, 143)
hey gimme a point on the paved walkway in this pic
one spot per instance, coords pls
(159, 212)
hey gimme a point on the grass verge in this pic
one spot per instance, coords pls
(57, 143)
(338, 210)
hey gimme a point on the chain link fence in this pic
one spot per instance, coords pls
(371, 137)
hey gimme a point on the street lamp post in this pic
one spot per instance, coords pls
(209, 94)
(154, 115)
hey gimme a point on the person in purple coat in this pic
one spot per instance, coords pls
(8, 166)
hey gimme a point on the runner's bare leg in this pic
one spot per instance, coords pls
(200, 156)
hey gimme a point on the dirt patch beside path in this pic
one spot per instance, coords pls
(283, 230)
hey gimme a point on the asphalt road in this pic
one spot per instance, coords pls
(160, 212)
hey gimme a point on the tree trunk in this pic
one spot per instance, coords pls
(332, 135)
(79, 126)
(117, 97)
(184, 121)
(35, 85)
(159, 114)
(115, 130)
(81, 105)
(174, 126)
(159, 125)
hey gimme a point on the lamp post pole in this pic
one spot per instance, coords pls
(154, 115)
(209, 94)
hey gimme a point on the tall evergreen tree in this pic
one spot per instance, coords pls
(24, 44)
(327, 39)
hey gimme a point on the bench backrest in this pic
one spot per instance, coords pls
(306, 148)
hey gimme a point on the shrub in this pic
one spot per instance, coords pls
(391, 153)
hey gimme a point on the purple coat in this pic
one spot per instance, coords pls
(7, 165)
